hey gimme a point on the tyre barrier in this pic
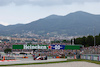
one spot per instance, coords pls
(25, 57)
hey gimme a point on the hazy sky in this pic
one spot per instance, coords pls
(25, 11)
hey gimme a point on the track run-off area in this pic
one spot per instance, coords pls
(27, 61)
(67, 64)
(50, 63)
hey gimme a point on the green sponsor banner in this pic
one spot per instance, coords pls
(17, 46)
(73, 47)
(30, 47)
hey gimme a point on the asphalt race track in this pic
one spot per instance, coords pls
(66, 64)
(29, 61)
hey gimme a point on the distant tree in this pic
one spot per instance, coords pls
(71, 41)
(90, 40)
(52, 42)
(7, 50)
(97, 38)
(64, 41)
(29, 43)
(84, 40)
(57, 41)
(78, 41)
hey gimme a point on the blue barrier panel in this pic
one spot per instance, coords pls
(86, 57)
(92, 57)
(99, 58)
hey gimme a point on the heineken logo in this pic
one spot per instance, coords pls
(35, 47)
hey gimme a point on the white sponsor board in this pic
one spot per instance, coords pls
(57, 46)
(35, 47)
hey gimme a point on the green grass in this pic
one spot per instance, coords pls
(71, 60)
(92, 61)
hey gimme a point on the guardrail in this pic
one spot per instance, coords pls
(7, 58)
(91, 57)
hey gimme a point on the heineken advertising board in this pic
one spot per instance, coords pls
(30, 47)
(46, 47)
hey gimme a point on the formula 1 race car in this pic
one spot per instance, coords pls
(40, 58)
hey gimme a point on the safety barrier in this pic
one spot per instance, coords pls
(7, 58)
(25, 57)
(91, 57)
(68, 57)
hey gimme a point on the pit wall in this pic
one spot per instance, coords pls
(91, 57)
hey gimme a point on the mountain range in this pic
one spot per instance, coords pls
(76, 23)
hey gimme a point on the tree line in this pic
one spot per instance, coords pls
(88, 41)
(60, 41)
